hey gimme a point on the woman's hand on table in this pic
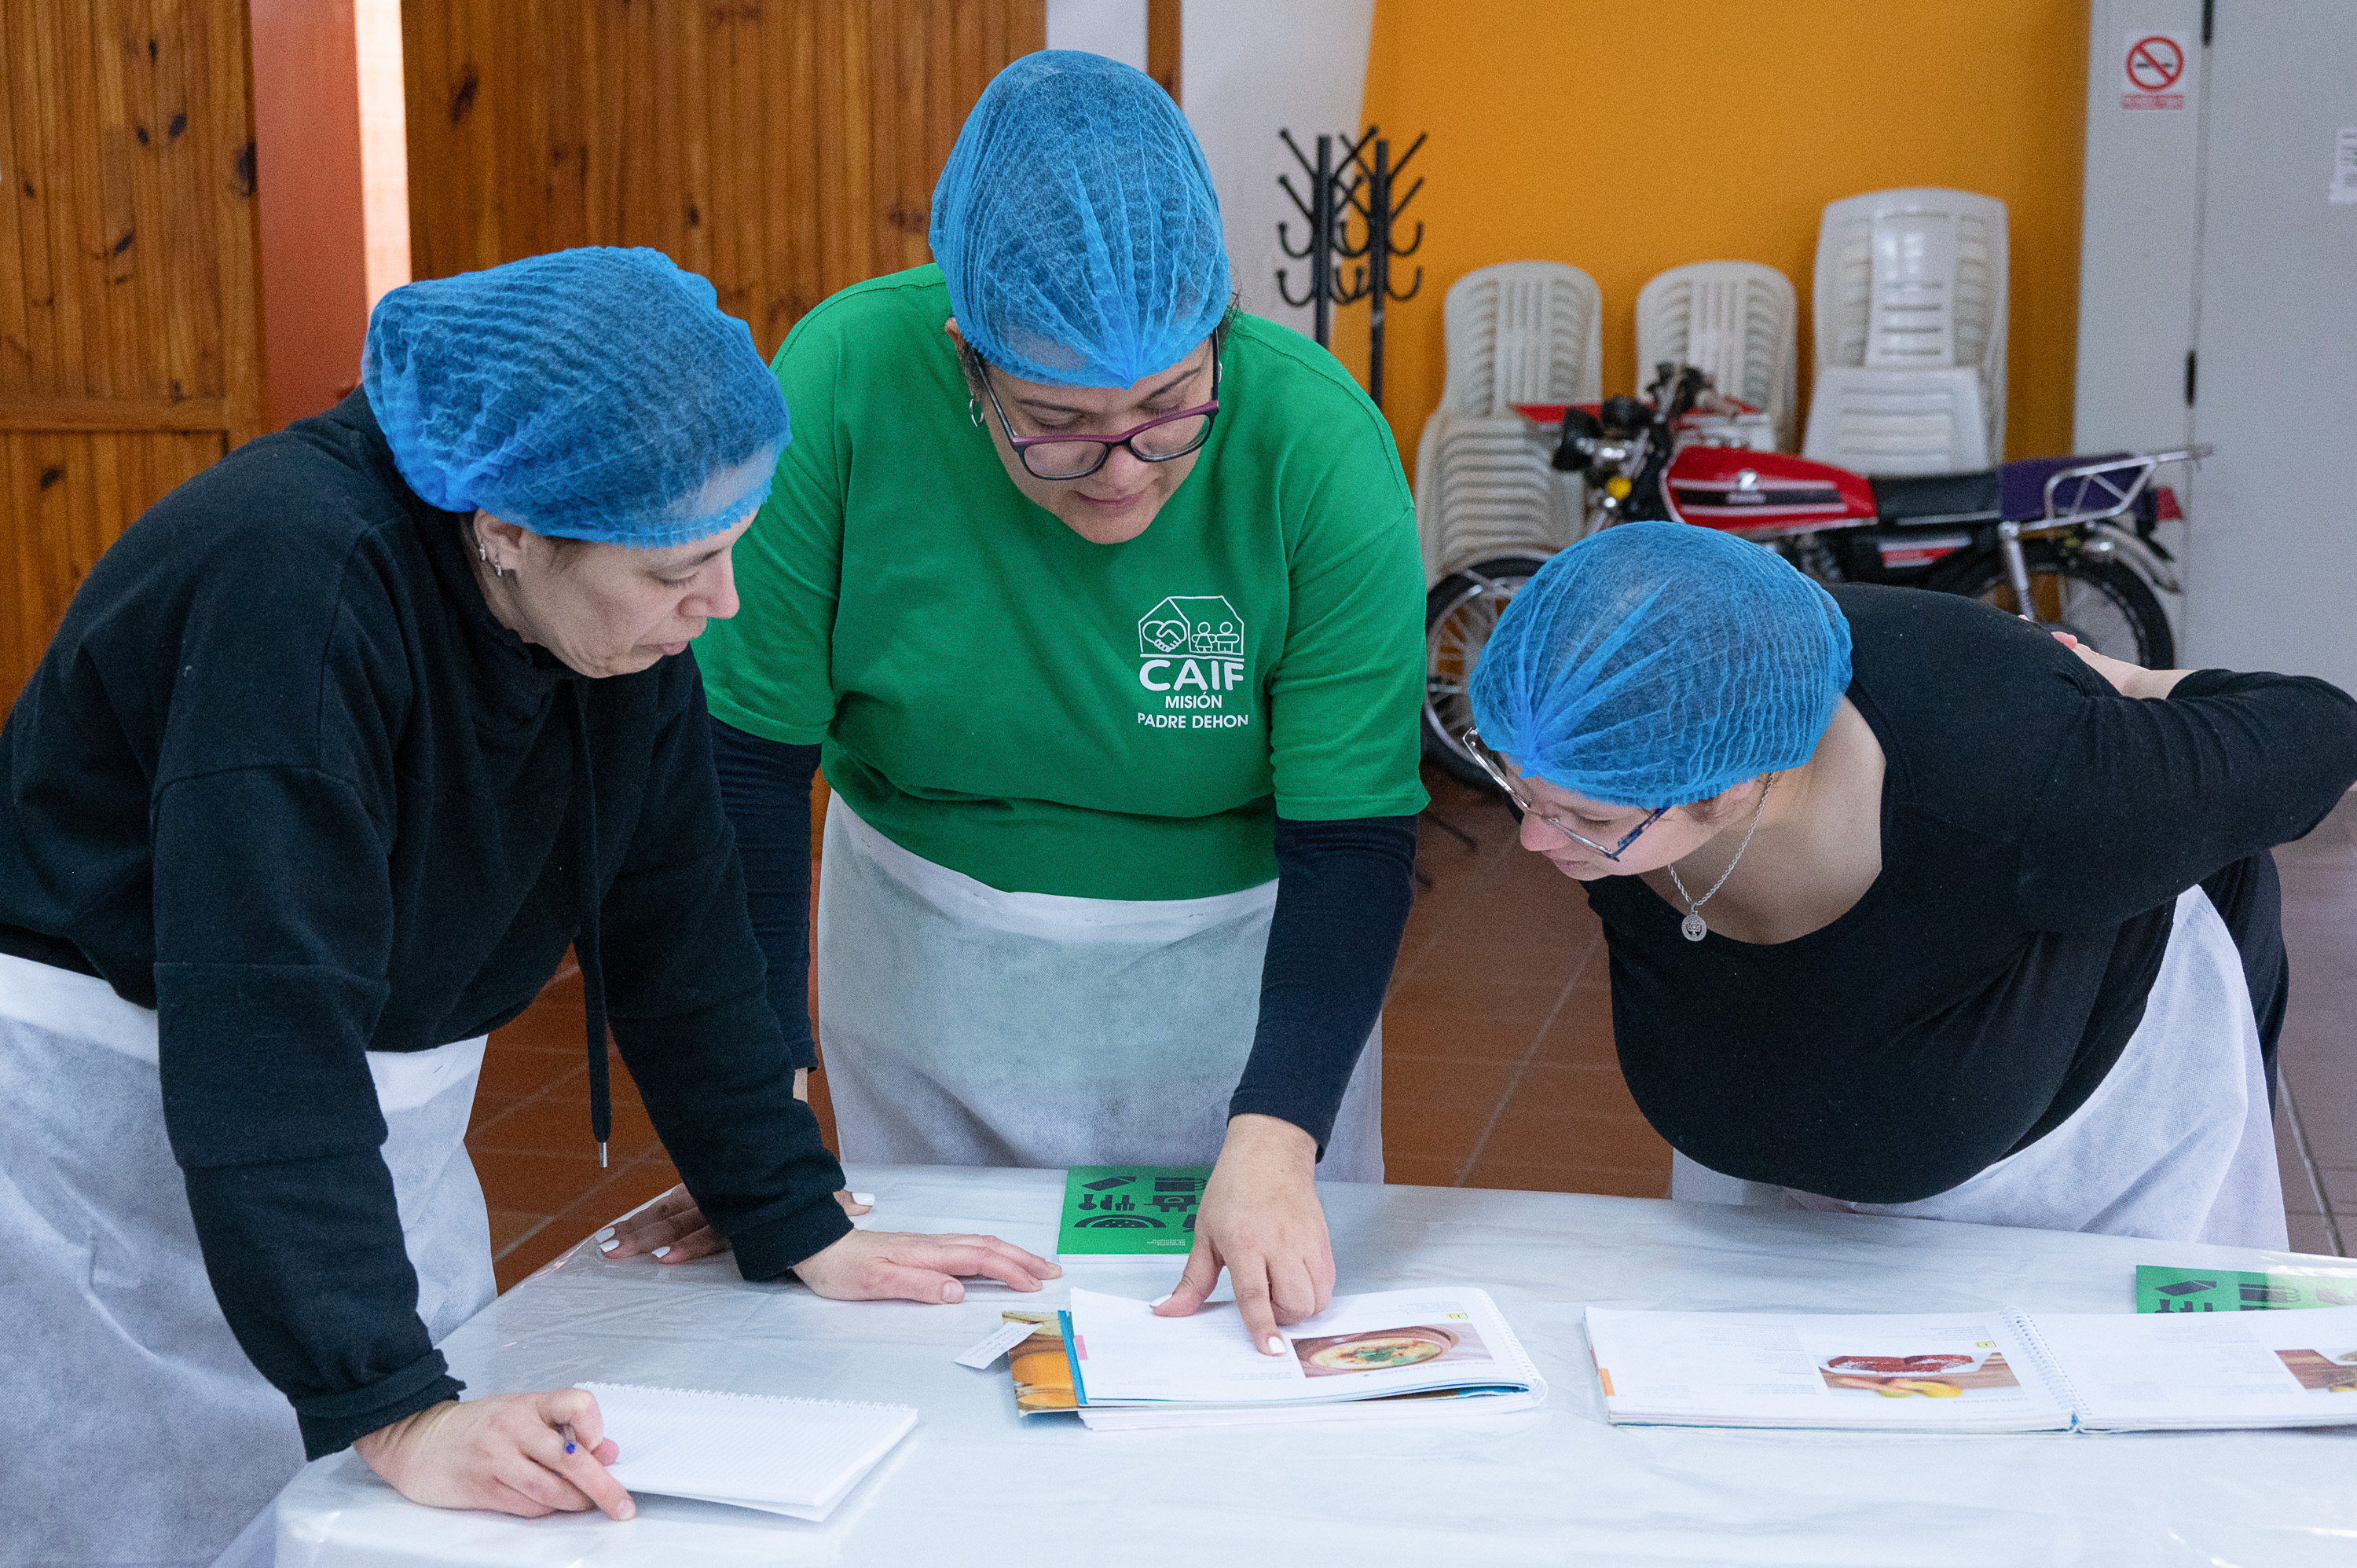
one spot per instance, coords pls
(2128, 680)
(673, 1229)
(1260, 1220)
(894, 1265)
(505, 1452)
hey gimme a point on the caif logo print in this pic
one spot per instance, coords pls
(1190, 649)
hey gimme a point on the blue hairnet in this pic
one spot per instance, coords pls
(596, 393)
(1076, 225)
(1657, 664)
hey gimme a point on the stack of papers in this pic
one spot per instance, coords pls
(1970, 1371)
(793, 1456)
(1396, 1354)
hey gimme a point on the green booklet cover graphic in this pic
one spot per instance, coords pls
(2159, 1289)
(1130, 1212)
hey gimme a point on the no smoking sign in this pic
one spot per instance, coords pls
(2152, 69)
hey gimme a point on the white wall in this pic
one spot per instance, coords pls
(1114, 28)
(1249, 67)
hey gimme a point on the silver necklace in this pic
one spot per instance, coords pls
(1692, 927)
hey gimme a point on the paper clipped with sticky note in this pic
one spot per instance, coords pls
(794, 1457)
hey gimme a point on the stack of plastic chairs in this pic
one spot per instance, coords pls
(1739, 321)
(1519, 332)
(1911, 320)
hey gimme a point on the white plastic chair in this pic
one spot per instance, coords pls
(1910, 332)
(1519, 332)
(1739, 321)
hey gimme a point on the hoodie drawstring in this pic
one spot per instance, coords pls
(584, 942)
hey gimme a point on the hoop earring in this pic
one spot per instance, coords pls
(974, 413)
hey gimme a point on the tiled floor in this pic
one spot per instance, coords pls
(1498, 1061)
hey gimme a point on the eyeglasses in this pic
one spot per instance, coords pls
(1158, 440)
(1487, 759)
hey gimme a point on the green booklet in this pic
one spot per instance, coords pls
(1126, 1212)
(2227, 1290)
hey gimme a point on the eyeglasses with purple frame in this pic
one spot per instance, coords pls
(1025, 444)
(1480, 753)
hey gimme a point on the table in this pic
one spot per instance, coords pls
(972, 1486)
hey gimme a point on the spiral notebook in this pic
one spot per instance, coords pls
(794, 1457)
(2002, 1370)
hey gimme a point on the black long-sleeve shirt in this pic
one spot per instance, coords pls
(2037, 829)
(1343, 893)
(282, 777)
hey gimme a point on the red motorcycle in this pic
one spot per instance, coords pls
(2061, 542)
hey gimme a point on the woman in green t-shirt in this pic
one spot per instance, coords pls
(1101, 604)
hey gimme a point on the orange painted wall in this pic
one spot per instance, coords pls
(306, 129)
(1629, 138)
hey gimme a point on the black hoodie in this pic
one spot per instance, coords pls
(282, 777)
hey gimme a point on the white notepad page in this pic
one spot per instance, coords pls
(2154, 1371)
(793, 1456)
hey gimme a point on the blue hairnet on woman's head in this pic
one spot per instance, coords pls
(596, 393)
(1076, 225)
(1657, 664)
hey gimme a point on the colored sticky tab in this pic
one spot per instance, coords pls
(1009, 1336)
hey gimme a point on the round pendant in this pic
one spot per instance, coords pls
(1693, 927)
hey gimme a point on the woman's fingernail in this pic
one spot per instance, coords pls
(865, 1199)
(1158, 1300)
(607, 1246)
(1055, 1271)
(630, 1511)
(1275, 1346)
(663, 1252)
(603, 1234)
(953, 1292)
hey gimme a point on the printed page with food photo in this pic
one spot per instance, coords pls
(1965, 1371)
(1361, 1348)
(2258, 1368)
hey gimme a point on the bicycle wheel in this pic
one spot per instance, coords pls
(2105, 604)
(1459, 615)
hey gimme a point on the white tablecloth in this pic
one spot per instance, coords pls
(973, 1486)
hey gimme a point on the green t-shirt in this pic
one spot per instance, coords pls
(1002, 697)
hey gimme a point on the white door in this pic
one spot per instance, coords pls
(2271, 582)
(2218, 303)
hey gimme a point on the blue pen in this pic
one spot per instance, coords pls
(570, 1445)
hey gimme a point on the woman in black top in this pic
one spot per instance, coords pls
(1944, 917)
(337, 750)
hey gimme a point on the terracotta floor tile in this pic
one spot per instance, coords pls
(1448, 1135)
(1613, 1181)
(1547, 1088)
(508, 1227)
(1581, 1034)
(1419, 1087)
(1523, 1138)
(515, 1072)
(1419, 1170)
(2308, 1234)
(530, 1183)
(558, 1123)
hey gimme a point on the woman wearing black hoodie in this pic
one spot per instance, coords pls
(337, 750)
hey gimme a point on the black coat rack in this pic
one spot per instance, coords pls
(1361, 182)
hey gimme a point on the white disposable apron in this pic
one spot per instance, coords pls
(2176, 1143)
(967, 1026)
(136, 1431)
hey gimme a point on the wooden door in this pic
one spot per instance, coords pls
(129, 347)
(782, 148)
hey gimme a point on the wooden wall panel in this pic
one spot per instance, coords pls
(782, 148)
(129, 347)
